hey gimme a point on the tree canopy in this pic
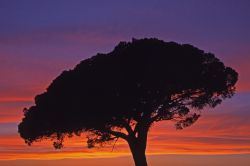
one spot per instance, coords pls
(121, 93)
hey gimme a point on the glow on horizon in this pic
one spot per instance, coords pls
(209, 136)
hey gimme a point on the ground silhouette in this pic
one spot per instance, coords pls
(122, 93)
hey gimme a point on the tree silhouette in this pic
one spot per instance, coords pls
(122, 93)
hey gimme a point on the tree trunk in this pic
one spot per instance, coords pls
(139, 156)
(138, 148)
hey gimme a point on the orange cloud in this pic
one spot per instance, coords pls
(210, 135)
(224, 130)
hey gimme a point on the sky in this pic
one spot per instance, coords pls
(41, 38)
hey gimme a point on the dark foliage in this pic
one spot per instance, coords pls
(122, 93)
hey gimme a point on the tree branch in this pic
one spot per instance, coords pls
(129, 129)
(114, 144)
(118, 134)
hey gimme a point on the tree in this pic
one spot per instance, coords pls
(122, 93)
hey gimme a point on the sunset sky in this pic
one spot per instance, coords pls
(41, 38)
